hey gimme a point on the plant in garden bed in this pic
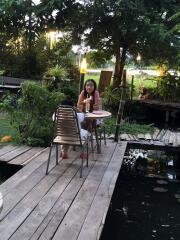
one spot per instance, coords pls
(31, 113)
(129, 128)
(168, 87)
(59, 82)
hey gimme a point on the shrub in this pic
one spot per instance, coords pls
(112, 96)
(168, 88)
(31, 114)
(30, 65)
(58, 81)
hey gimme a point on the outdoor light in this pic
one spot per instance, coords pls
(138, 57)
(83, 66)
(52, 38)
(83, 70)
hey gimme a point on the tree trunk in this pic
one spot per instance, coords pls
(120, 62)
(117, 64)
(117, 68)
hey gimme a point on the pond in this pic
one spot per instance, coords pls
(146, 201)
(7, 170)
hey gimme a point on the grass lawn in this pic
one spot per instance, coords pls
(94, 76)
(129, 128)
(5, 126)
(139, 81)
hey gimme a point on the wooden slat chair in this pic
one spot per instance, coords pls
(67, 132)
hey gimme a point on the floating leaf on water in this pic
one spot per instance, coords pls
(160, 189)
(162, 182)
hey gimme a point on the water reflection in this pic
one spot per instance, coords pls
(146, 200)
(152, 163)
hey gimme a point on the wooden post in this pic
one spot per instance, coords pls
(81, 83)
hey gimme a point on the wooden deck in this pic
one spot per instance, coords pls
(164, 138)
(18, 155)
(61, 205)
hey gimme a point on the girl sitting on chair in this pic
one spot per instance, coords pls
(89, 97)
(87, 102)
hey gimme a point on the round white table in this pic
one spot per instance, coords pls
(94, 116)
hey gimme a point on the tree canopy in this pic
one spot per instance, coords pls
(113, 27)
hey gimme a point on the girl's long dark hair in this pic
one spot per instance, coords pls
(93, 93)
(95, 87)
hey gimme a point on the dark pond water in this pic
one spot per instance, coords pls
(146, 201)
(6, 171)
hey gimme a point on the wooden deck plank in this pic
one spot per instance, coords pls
(59, 198)
(7, 149)
(141, 136)
(74, 219)
(46, 203)
(26, 156)
(22, 210)
(18, 193)
(95, 219)
(178, 138)
(25, 172)
(155, 134)
(22, 189)
(15, 153)
(61, 204)
(148, 136)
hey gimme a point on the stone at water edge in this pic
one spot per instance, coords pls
(160, 189)
(177, 195)
(163, 182)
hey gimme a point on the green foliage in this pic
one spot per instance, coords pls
(147, 82)
(129, 128)
(73, 73)
(134, 128)
(112, 96)
(59, 81)
(71, 91)
(5, 127)
(31, 114)
(54, 77)
(123, 27)
(29, 65)
(168, 88)
(97, 59)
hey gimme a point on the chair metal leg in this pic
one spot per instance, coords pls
(87, 157)
(82, 159)
(56, 154)
(91, 139)
(104, 130)
(50, 150)
(100, 137)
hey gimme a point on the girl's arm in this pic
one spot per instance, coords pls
(80, 103)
